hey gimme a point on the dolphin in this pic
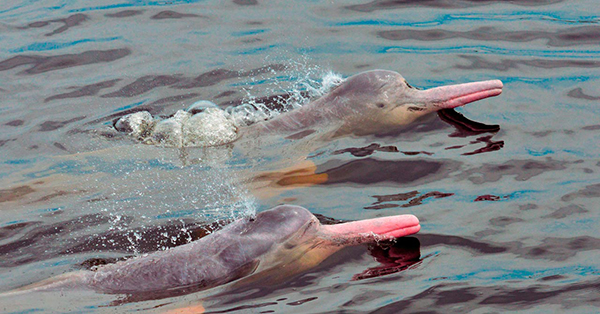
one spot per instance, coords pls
(373, 102)
(284, 235)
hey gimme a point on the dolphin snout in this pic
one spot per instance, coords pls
(452, 96)
(383, 228)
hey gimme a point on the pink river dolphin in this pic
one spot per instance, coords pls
(283, 236)
(370, 102)
(376, 101)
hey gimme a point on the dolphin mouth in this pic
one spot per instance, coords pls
(376, 229)
(452, 96)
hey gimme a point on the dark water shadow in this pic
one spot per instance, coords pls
(15, 193)
(35, 241)
(466, 128)
(579, 94)
(83, 91)
(394, 257)
(549, 248)
(245, 2)
(67, 23)
(443, 298)
(124, 13)
(413, 198)
(439, 4)
(162, 15)
(501, 64)
(572, 36)
(148, 83)
(368, 171)
(41, 63)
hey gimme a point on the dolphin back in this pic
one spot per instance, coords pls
(229, 254)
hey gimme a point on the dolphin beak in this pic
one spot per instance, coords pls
(370, 230)
(452, 96)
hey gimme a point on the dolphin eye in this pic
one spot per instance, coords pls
(380, 105)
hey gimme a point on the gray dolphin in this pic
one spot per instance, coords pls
(281, 236)
(374, 102)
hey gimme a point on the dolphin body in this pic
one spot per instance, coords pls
(371, 102)
(276, 238)
(376, 101)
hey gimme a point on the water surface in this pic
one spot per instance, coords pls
(509, 216)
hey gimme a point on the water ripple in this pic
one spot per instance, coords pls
(56, 45)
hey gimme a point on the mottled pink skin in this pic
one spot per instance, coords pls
(384, 228)
(452, 96)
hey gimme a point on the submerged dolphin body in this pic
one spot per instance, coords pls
(376, 101)
(283, 235)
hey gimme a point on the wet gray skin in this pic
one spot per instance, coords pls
(283, 235)
(375, 102)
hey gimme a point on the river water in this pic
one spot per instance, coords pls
(509, 216)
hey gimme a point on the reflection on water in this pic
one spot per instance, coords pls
(399, 256)
(506, 188)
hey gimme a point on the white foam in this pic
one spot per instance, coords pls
(136, 124)
(214, 126)
(209, 128)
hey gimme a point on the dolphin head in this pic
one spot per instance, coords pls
(297, 231)
(379, 100)
(279, 224)
(298, 241)
(297, 237)
(296, 224)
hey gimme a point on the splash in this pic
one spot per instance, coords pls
(158, 205)
(171, 202)
(205, 124)
(313, 84)
(209, 127)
